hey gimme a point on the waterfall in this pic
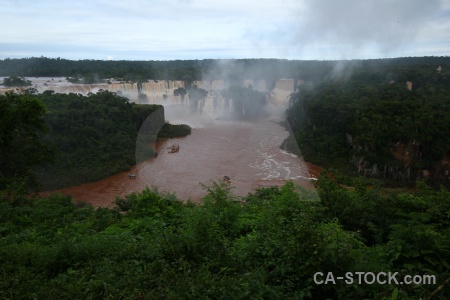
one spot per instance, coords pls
(162, 92)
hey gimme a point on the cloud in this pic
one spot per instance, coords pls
(357, 25)
(187, 29)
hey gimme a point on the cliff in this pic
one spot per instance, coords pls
(404, 162)
(162, 92)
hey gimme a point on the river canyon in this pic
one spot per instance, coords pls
(247, 151)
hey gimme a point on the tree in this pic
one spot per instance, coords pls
(21, 127)
(16, 81)
(180, 92)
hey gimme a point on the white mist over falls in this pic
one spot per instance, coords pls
(220, 145)
(162, 92)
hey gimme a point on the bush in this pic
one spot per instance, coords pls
(16, 81)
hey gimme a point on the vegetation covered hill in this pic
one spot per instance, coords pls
(94, 136)
(91, 137)
(233, 70)
(268, 245)
(377, 124)
(21, 147)
(15, 81)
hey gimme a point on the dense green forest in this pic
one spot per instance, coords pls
(95, 136)
(16, 81)
(268, 245)
(233, 70)
(91, 137)
(368, 123)
(22, 127)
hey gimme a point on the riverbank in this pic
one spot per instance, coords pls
(249, 153)
(103, 192)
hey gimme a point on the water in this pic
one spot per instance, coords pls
(247, 152)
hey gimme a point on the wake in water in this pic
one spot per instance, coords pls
(249, 153)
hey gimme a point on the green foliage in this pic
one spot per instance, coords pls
(94, 136)
(231, 70)
(411, 230)
(365, 121)
(16, 81)
(98, 135)
(86, 79)
(266, 245)
(21, 148)
(180, 92)
(170, 131)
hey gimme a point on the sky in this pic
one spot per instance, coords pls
(224, 29)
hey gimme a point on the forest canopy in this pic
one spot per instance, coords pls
(231, 70)
(53, 140)
(377, 126)
(22, 127)
(266, 245)
(16, 81)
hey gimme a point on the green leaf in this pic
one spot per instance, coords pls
(394, 294)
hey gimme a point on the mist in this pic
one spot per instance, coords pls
(352, 29)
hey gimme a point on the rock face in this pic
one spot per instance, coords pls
(259, 85)
(404, 165)
(215, 85)
(155, 91)
(409, 85)
(162, 92)
(282, 91)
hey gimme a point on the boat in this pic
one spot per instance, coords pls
(226, 179)
(174, 148)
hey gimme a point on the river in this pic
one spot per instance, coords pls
(248, 152)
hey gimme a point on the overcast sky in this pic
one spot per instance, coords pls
(199, 29)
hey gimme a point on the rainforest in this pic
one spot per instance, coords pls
(378, 130)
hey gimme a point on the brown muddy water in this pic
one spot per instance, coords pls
(249, 153)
